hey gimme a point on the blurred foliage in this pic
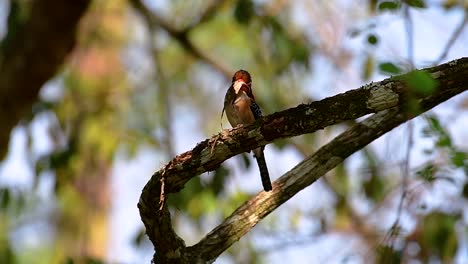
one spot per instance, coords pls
(389, 68)
(438, 236)
(129, 87)
(443, 142)
(420, 82)
(389, 5)
(388, 254)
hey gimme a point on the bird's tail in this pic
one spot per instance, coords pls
(260, 157)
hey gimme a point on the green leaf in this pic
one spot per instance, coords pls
(374, 189)
(244, 11)
(439, 236)
(233, 202)
(4, 198)
(388, 6)
(444, 141)
(300, 53)
(427, 173)
(387, 254)
(286, 47)
(416, 3)
(389, 68)
(421, 82)
(192, 191)
(435, 124)
(372, 39)
(459, 158)
(203, 203)
(465, 190)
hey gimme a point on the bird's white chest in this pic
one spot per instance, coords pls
(240, 112)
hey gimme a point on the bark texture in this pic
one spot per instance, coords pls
(31, 54)
(388, 99)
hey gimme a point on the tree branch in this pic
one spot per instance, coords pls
(453, 38)
(182, 35)
(389, 95)
(301, 176)
(31, 53)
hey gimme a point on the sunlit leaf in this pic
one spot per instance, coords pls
(389, 68)
(236, 199)
(204, 202)
(459, 158)
(416, 3)
(444, 141)
(421, 82)
(388, 6)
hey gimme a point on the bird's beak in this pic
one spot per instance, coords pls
(238, 85)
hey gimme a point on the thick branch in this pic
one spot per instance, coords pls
(303, 175)
(305, 118)
(31, 53)
(389, 95)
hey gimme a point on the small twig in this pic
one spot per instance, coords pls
(395, 229)
(207, 14)
(452, 39)
(181, 36)
(406, 168)
(409, 35)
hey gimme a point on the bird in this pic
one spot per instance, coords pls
(241, 109)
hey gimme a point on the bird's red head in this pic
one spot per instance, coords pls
(242, 75)
(243, 80)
